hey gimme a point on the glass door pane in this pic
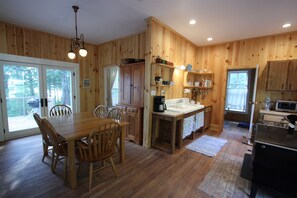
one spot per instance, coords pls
(59, 87)
(22, 94)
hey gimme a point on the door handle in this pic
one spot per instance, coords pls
(45, 101)
(41, 102)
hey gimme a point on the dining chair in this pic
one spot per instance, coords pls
(100, 146)
(116, 113)
(59, 110)
(45, 139)
(100, 111)
(59, 146)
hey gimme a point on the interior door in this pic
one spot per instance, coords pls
(253, 103)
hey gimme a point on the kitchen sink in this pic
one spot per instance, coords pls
(182, 105)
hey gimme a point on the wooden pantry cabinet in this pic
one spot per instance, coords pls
(281, 75)
(131, 99)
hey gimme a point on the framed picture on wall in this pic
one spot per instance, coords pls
(86, 83)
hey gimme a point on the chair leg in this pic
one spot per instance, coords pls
(90, 177)
(53, 161)
(45, 151)
(65, 168)
(78, 169)
(118, 147)
(113, 167)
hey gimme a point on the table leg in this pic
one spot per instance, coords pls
(122, 144)
(71, 161)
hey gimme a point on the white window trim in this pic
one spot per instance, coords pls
(248, 93)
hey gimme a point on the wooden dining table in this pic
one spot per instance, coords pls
(76, 126)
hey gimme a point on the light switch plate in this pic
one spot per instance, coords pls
(153, 92)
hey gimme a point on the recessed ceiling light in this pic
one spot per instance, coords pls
(192, 22)
(286, 25)
(209, 39)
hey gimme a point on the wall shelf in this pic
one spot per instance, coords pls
(190, 77)
(162, 70)
(162, 86)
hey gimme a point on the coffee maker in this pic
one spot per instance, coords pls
(159, 104)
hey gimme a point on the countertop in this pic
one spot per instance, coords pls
(279, 113)
(169, 113)
(276, 136)
(175, 112)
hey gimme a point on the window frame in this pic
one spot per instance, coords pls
(247, 110)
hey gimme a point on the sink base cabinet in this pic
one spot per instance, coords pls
(165, 132)
(207, 117)
(169, 132)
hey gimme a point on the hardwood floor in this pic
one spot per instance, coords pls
(145, 173)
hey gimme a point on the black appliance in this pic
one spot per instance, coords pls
(159, 104)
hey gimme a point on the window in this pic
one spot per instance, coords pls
(115, 90)
(111, 81)
(237, 91)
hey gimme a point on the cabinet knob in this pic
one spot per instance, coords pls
(263, 146)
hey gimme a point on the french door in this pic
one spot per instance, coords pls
(28, 88)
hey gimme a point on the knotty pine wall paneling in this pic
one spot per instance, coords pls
(26, 42)
(246, 54)
(111, 53)
(164, 42)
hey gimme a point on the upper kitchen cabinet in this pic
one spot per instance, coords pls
(292, 81)
(132, 84)
(281, 76)
(198, 80)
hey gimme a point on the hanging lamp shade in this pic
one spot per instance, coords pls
(77, 42)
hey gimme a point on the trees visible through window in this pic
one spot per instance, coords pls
(237, 91)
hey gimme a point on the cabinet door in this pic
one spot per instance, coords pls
(132, 127)
(207, 117)
(137, 73)
(292, 71)
(134, 131)
(277, 75)
(125, 85)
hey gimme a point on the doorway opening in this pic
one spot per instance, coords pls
(31, 85)
(240, 95)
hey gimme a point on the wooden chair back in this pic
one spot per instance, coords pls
(59, 110)
(116, 113)
(100, 111)
(45, 137)
(58, 144)
(101, 142)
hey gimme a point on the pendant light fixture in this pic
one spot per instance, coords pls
(77, 42)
